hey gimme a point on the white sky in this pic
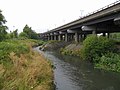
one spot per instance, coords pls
(43, 15)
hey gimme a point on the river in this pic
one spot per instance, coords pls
(71, 73)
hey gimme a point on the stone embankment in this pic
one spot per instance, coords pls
(66, 48)
(54, 45)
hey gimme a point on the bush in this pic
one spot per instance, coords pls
(109, 61)
(94, 46)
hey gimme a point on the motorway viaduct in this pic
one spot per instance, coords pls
(105, 20)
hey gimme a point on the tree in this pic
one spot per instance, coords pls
(23, 35)
(3, 28)
(3, 32)
(15, 33)
(28, 33)
(2, 19)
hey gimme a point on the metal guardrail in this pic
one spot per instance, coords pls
(103, 8)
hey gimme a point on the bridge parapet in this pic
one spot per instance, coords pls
(103, 8)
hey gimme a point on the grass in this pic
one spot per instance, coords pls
(21, 68)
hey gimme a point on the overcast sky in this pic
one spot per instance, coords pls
(43, 15)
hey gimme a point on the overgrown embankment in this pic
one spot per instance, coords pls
(21, 68)
(71, 49)
(101, 51)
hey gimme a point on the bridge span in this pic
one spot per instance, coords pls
(105, 20)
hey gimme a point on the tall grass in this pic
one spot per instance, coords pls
(23, 69)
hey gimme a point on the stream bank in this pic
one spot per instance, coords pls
(72, 73)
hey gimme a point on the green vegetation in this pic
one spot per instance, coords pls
(3, 28)
(108, 61)
(115, 35)
(72, 49)
(13, 34)
(28, 33)
(103, 52)
(23, 69)
(96, 46)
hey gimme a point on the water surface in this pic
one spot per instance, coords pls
(71, 73)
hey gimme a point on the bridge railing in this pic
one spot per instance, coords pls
(103, 8)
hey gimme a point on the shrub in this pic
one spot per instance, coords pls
(96, 46)
(109, 61)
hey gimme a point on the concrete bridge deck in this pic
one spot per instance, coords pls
(104, 20)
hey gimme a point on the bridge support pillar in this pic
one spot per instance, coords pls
(84, 36)
(60, 37)
(76, 37)
(55, 37)
(94, 32)
(66, 37)
(104, 34)
(48, 38)
(69, 37)
(72, 37)
(80, 37)
(108, 35)
(52, 37)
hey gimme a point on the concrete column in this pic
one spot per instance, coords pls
(104, 34)
(66, 37)
(59, 37)
(108, 35)
(80, 37)
(63, 37)
(48, 38)
(70, 37)
(93, 32)
(55, 37)
(76, 37)
(84, 36)
(52, 37)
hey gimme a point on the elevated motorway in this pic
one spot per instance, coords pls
(104, 20)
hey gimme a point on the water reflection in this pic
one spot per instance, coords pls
(71, 73)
